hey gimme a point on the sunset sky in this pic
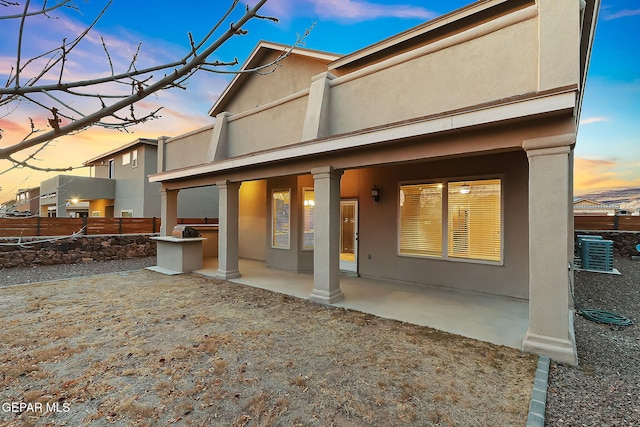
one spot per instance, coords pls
(607, 152)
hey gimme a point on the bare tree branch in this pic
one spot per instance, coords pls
(65, 119)
(44, 11)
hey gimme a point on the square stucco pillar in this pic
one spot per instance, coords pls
(228, 208)
(550, 315)
(326, 251)
(316, 121)
(168, 211)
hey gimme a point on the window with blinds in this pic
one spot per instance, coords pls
(280, 219)
(473, 219)
(421, 219)
(308, 227)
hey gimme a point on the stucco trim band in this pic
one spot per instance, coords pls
(555, 141)
(513, 110)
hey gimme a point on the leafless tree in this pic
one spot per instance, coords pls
(112, 108)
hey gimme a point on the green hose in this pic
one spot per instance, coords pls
(599, 316)
(605, 317)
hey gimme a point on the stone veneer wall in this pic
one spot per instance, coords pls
(73, 250)
(624, 242)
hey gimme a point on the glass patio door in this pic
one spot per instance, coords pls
(349, 236)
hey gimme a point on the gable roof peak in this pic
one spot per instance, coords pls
(262, 49)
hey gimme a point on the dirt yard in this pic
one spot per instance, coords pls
(146, 349)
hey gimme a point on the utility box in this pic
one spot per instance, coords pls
(597, 254)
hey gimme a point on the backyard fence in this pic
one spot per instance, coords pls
(617, 222)
(46, 226)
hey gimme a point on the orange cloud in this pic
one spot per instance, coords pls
(599, 174)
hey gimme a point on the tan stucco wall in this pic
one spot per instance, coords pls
(478, 71)
(187, 150)
(292, 75)
(502, 62)
(253, 220)
(559, 38)
(284, 123)
(379, 226)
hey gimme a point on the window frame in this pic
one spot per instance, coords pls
(134, 158)
(273, 217)
(442, 207)
(445, 219)
(111, 168)
(126, 158)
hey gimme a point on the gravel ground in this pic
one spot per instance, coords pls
(43, 273)
(604, 390)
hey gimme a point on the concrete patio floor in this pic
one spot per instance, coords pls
(486, 318)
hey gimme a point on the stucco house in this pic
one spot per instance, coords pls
(118, 187)
(441, 156)
(582, 206)
(27, 200)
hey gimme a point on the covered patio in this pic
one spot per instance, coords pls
(494, 319)
(452, 143)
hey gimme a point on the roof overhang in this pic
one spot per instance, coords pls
(590, 10)
(128, 146)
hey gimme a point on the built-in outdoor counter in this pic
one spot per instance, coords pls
(178, 255)
(210, 232)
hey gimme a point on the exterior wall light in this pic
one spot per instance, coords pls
(465, 189)
(375, 194)
(74, 200)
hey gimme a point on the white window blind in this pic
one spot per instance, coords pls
(421, 219)
(474, 229)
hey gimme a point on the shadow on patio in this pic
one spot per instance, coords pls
(486, 318)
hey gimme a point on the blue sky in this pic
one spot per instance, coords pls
(607, 153)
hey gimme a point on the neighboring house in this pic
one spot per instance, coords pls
(441, 156)
(27, 201)
(128, 166)
(591, 207)
(74, 196)
(119, 187)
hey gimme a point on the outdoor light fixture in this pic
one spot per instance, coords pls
(74, 200)
(375, 194)
(465, 189)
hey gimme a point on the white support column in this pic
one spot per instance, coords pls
(168, 211)
(316, 121)
(326, 252)
(162, 146)
(550, 316)
(229, 203)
